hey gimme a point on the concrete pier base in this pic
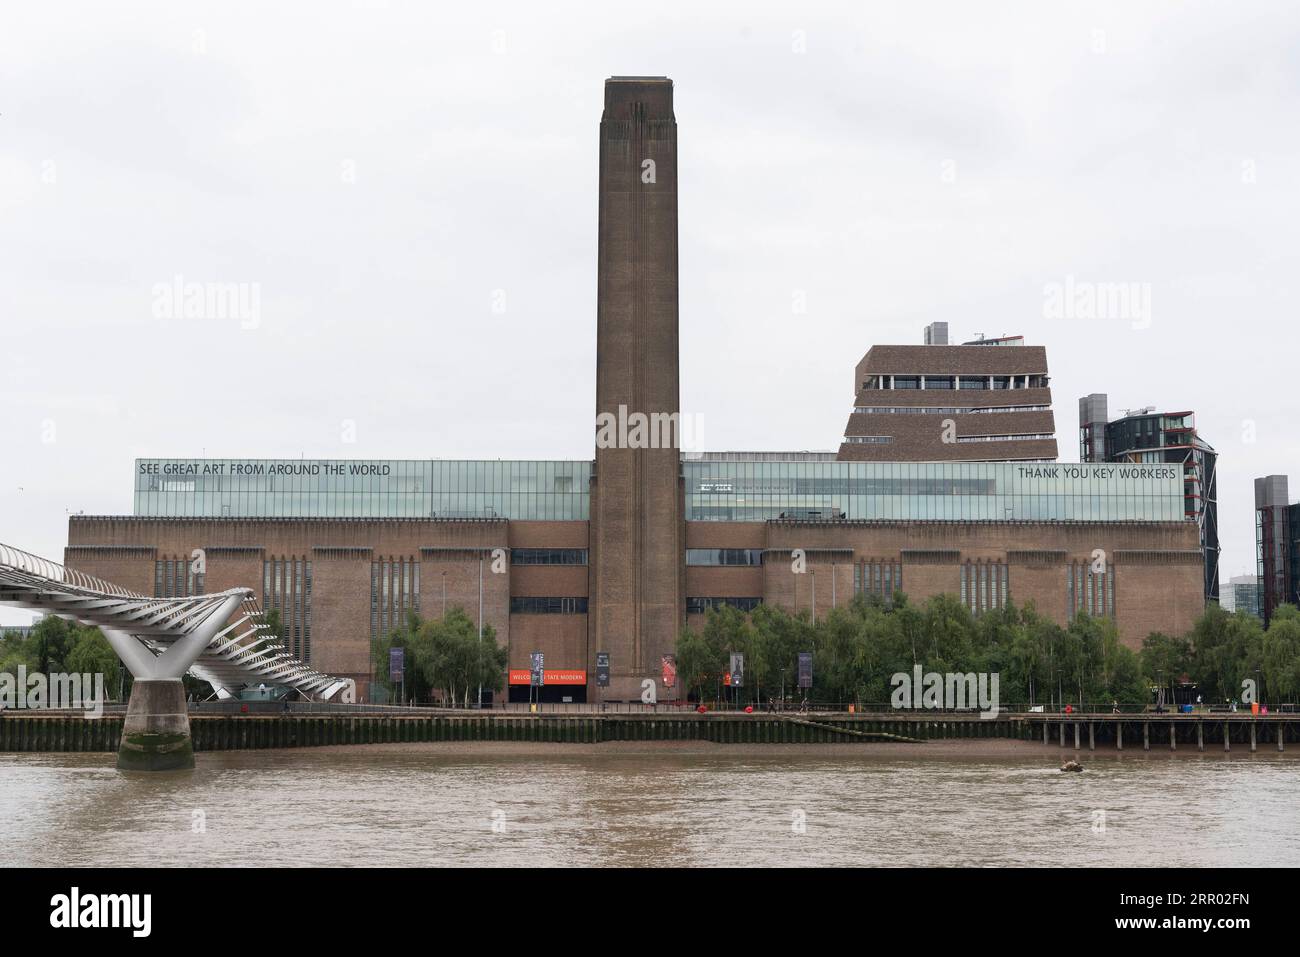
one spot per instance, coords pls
(156, 732)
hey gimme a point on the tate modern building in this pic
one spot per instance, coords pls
(947, 482)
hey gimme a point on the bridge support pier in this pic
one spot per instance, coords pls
(1146, 736)
(1200, 735)
(1252, 737)
(156, 732)
(1092, 741)
(1119, 735)
(1281, 733)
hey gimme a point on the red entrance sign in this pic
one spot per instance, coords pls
(556, 676)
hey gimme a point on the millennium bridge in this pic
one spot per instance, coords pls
(221, 638)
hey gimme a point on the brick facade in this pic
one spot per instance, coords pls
(1156, 566)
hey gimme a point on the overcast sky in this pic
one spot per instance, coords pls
(388, 176)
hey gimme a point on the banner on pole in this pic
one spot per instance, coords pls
(737, 669)
(669, 663)
(805, 669)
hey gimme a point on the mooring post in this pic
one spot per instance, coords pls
(1044, 731)
(1226, 746)
(1146, 736)
(1200, 735)
(1252, 737)
(1092, 742)
(1119, 735)
(1076, 736)
(1281, 733)
(1173, 738)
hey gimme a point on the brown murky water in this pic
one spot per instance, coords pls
(419, 805)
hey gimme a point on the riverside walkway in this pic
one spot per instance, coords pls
(28, 731)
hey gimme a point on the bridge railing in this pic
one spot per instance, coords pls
(44, 568)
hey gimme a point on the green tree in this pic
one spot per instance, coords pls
(92, 654)
(1281, 655)
(452, 658)
(1164, 658)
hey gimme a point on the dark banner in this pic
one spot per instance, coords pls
(1205, 910)
(805, 669)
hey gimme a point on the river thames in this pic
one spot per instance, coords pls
(960, 804)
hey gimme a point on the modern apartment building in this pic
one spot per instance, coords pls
(1277, 545)
(1150, 437)
(1242, 594)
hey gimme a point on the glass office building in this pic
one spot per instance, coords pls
(338, 488)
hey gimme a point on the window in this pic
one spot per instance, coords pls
(907, 382)
(984, 585)
(306, 628)
(1090, 592)
(724, 556)
(1013, 437)
(938, 382)
(548, 556)
(879, 578)
(394, 590)
(698, 606)
(945, 410)
(176, 578)
(974, 382)
(548, 606)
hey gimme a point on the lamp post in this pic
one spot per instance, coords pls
(480, 630)
(444, 596)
